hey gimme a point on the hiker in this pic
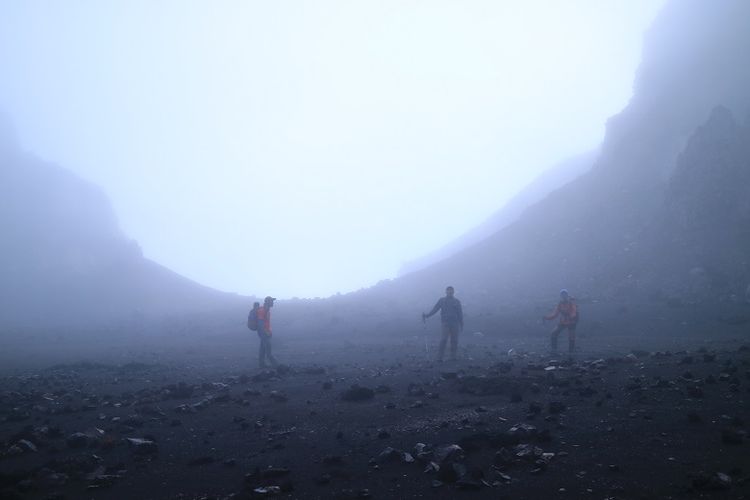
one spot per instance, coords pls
(567, 310)
(452, 318)
(263, 315)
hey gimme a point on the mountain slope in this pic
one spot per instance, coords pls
(704, 236)
(591, 234)
(548, 181)
(63, 258)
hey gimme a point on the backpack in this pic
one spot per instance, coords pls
(252, 320)
(572, 319)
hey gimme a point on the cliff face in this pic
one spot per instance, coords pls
(63, 258)
(604, 234)
(705, 231)
(694, 58)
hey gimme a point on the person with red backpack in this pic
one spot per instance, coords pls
(567, 310)
(259, 320)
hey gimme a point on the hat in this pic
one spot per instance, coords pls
(269, 299)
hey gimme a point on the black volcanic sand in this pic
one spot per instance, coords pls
(625, 417)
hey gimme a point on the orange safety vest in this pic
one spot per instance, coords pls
(568, 312)
(264, 315)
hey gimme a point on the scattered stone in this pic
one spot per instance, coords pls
(358, 393)
(267, 490)
(388, 455)
(278, 396)
(77, 440)
(523, 431)
(556, 407)
(333, 460)
(694, 391)
(712, 482)
(423, 452)
(323, 479)
(26, 446)
(732, 436)
(468, 484)
(415, 390)
(527, 452)
(694, 418)
(264, 376)
(432, 467)
(503, 457)
(206, 460)
(449, 453)
(274, 472)
(451, 473)
(142, 446)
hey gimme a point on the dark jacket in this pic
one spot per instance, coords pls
(450, 311)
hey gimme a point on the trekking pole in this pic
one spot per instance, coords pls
(424, 335)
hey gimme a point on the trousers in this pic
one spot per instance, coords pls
(265, 350)
(450, 331)
(571, 336)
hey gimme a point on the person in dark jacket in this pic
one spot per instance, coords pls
(452, 319)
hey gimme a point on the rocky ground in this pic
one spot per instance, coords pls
(624, 418)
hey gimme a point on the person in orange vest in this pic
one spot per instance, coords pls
(567, 310)
(264, 332)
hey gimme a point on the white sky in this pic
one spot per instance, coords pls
(304, 148)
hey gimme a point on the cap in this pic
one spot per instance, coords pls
(269, 299)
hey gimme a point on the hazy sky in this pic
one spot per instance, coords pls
(305, 148)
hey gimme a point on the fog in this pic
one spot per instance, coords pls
(308, 148)
(578, 172)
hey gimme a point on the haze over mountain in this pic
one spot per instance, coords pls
(64, 260)
(604, 234)
(119, 378)
(357, 131)
(551, 179)
(619, 230)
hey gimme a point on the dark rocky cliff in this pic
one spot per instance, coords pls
(600, 235)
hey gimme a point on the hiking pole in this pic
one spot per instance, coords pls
(424, 335)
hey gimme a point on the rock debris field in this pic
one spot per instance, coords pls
(382, 421)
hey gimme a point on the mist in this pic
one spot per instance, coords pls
(342, 250)
(274, 148)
